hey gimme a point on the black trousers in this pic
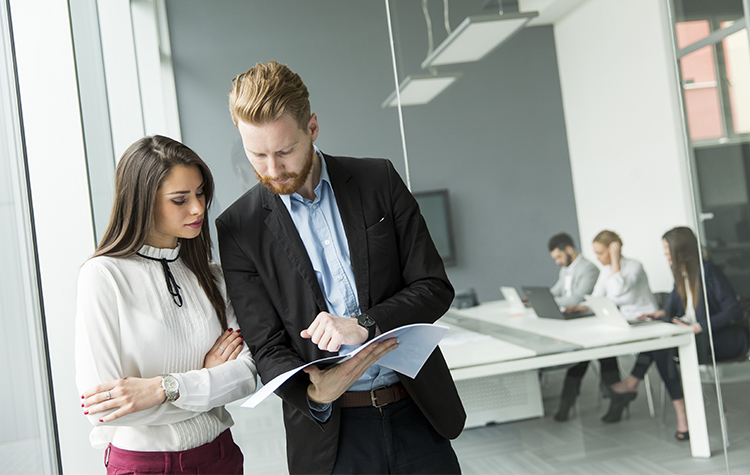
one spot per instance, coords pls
(610, 370)
(729, 342)
(396, 438)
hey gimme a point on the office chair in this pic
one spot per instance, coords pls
(465, 299)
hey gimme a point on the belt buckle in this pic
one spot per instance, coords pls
(374, 399)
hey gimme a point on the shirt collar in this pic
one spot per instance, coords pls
(575, 262)
(287, 199)
(160, 253)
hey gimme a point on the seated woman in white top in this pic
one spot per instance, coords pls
(624, 281)
(157, 356)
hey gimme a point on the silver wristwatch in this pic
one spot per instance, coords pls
(171, 387)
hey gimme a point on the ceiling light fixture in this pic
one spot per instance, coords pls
(476, 37)
(418, 90)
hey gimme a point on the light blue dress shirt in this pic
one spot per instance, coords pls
(319, 225)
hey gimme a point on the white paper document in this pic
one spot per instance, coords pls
(415, 344)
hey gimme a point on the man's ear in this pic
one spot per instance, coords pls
(312, 127)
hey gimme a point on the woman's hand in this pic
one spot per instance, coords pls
(652, 316)
(697, 328)
(614, 256)
(127, 395)
(226, 348)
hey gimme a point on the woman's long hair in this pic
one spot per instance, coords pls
(683, 249)
(141, 171)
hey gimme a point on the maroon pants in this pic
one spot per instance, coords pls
(221, 456)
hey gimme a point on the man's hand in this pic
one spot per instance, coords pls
(128, 395)
(227, 347)
(574, 308)
(328, 385)
(329, 332)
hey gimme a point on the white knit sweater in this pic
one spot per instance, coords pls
(127, 324)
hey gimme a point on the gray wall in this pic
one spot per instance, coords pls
(495, 138)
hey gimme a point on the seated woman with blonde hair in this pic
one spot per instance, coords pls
(686, 306)
(624, 281)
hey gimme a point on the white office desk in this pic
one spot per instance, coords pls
(562, 342)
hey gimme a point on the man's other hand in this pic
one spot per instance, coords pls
(328, 385)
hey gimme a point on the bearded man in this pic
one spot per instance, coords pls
(321, 256)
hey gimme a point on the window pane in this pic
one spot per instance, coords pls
(701, 94)
(27, 440)
(688, 32)
(737, 58)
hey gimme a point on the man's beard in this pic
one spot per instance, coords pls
(296, 180)
(568, 259)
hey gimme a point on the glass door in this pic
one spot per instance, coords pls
(713, 55)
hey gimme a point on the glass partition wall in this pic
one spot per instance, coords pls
(570, 124)
(711, 45)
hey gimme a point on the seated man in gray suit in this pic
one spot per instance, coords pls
(577, 278)
(577, 274)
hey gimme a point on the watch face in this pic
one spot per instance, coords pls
(170, 384)
(366, 320)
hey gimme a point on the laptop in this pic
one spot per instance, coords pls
(514, 300)
(545, 306)
(606, 311)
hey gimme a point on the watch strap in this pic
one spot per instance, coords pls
(369, 324)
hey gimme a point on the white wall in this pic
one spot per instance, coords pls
(60, 197)
(625, 134)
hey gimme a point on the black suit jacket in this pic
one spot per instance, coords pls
(729, 337)
(400, 280)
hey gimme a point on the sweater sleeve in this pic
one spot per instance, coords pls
(723, 303)
(558, 289)
(212, 387)
(623, 281)
(98, 345)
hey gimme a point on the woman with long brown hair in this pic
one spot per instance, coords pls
(157, 356)
(686, 306)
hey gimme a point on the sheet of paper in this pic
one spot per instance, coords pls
(415, 344)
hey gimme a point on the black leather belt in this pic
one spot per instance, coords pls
(376, 398)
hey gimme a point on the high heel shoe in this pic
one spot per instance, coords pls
(564, 409)
(618, 402)
(682, 436)
(568, 397)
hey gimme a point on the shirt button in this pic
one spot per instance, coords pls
(327, 242)
(315, 206)
(341, 277)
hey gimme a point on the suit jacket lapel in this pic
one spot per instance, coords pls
(282, 227)
(350, 206)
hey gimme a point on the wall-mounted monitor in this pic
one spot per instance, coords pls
(435, 207)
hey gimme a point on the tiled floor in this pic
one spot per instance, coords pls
(583, 445)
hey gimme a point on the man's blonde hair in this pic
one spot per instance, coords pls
(265, 92)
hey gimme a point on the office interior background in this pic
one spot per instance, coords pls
(599, 114)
